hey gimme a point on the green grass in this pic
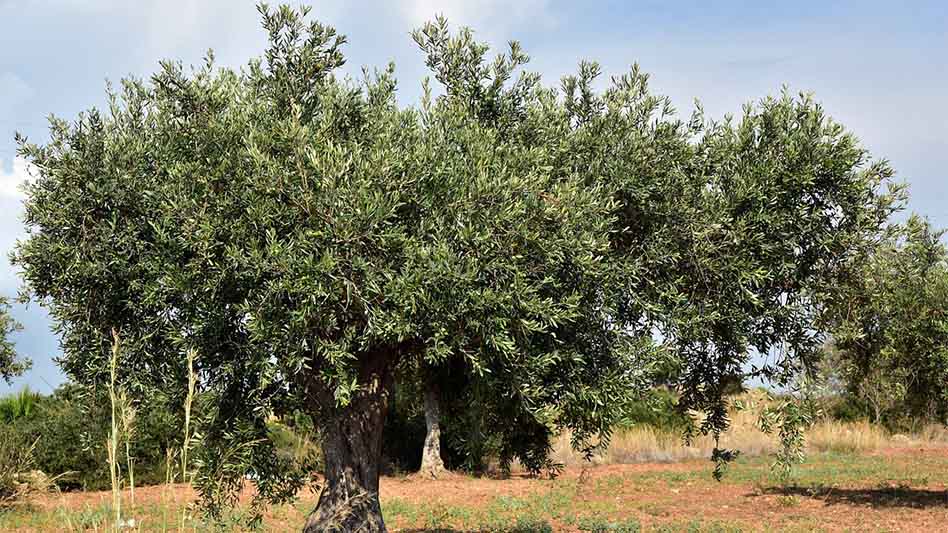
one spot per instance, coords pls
(698, 526)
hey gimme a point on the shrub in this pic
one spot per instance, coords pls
(296, 442)
(16, 459)
(19, 405)
(844, 408)
(70, 428)
(659, 409)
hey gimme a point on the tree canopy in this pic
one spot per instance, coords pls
(304, 234)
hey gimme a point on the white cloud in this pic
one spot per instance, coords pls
(11, 227)
(10, 182)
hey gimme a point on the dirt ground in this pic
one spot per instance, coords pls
(900, 489)
(686, 498)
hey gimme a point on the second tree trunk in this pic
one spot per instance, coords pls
(431, 464)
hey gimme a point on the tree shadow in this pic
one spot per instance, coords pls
(883, 496)
(539, 527)
(433, 530)
(514, 529)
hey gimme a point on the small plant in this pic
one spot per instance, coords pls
(789, 418)
(596, 524)
(788, 500)
(438, 515)
(523, 525)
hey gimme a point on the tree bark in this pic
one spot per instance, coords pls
(352, 446)
(431, 464)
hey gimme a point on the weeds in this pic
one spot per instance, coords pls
(601, 525)
(606, 505)
(16, 460)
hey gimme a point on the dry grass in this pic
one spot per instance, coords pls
(645, 444)
(848, 437)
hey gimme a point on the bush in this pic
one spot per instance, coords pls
(845, 408)
(16, 459)
(658, 409)
(19, 405)
(296, 440)
(70, 428)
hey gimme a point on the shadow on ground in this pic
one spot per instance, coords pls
(441, 530)
(884, 497)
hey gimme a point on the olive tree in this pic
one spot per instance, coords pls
(787, 205)
(306, 237)
(727, 235)
(889, 325)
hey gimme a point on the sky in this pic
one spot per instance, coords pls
(880, 68)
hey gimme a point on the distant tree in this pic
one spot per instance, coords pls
(306, 237)
(890, 326)
(725, 234)
(782, 209)
(10, 365)
(872, 393)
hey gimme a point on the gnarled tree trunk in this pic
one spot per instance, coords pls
(431, 464)
(352, 446)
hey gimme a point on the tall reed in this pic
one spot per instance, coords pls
(113, 441)
(188, 402)
(128, 415)
(191, 355)
(21, 404)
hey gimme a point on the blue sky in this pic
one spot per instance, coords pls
(881, 68)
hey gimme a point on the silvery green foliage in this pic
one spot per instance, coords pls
(10, 364)
(293, 228)
(889, 325)
(788, 417)
(302, 232)
(727, 235)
